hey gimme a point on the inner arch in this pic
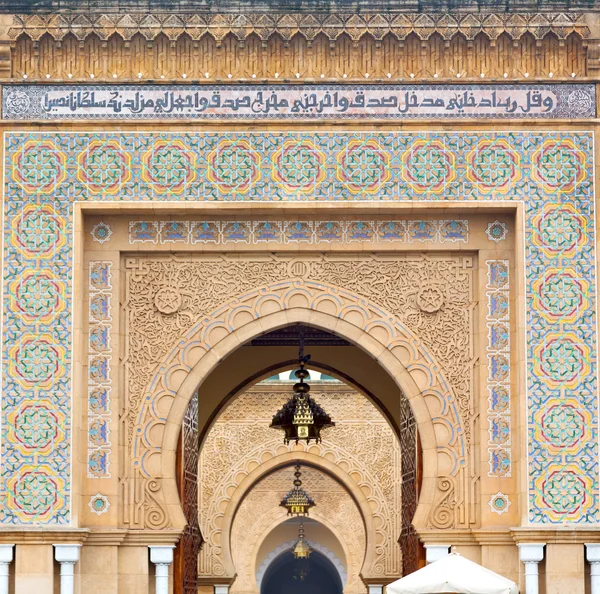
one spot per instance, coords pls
(282, 576)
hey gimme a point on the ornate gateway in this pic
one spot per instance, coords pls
(188, 188)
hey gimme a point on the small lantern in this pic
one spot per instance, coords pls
(297, 501)
(301, 549)
(301, 418)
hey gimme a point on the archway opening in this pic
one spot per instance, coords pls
(287, 575)
(257, 376)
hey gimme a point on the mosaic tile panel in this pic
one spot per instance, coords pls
(498, 368)
(257, 232)
(551, 172)
(99, 369)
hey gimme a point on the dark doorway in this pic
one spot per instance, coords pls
(283, 576)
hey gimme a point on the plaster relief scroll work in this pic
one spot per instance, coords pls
(260, 512)
(362, 443)
(419, 307)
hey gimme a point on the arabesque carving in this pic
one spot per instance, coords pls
(278, 46)
(435, 348)
(260, 512)
(242, 25)
(242, 439)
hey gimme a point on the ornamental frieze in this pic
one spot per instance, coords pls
(286, 25)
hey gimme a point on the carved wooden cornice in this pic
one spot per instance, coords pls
(309, 25)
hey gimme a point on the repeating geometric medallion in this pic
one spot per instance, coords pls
(494, 165)
(559, 165)
(560, 230)
(298, 166)
(37, 494)
(566, 492)
(428, 166)
(364, 167)
(562, 360)
(38, 295)
(39, 231)
(234, 166)
(561, 295)
(169, 166)
(104, 167)
(39, 167)
(37, 361)
(564, 425)
(36, 427)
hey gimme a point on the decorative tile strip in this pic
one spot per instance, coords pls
(290, 232)
(99, 372)
(498, 378)
(354, 102)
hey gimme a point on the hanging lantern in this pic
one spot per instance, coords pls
(301, 549)
(301, 418)
(297, 501)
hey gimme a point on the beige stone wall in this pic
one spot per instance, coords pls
(491, 540)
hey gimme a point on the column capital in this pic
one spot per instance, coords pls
(592, 552)
(435, 552)
(67, 553)
(531, 552)
(6, 553)
(161, 554)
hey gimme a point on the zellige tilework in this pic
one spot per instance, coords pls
(550, 172)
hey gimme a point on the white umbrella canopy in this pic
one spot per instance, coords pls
(453, 575)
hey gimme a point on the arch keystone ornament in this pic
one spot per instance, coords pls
(47, 173)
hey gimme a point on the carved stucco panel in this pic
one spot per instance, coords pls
(260, 511)
(162, 348)
(367, 450)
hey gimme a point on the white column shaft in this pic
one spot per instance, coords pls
(162, 557)
(6, 556)
(67, 577)
(67, 555)
(531, 553)
(592, 554)
(532, 585)
(595, 577)
(162, 578)
(3, 578)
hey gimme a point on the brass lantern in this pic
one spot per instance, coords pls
(301, 549)
(301, 418)
(297, 501)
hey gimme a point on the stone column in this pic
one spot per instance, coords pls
(221, 589)
(162, 557)
(592, 555)
(67, 555)
(6, 557)
(531, 554)
(435, 552)
(375, 589)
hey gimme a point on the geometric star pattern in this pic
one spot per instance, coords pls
(550, 172)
